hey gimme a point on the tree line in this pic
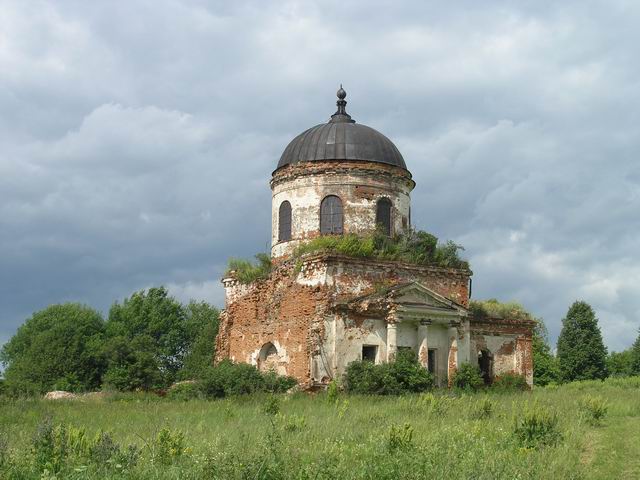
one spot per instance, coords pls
(150, 341)
(147, 342)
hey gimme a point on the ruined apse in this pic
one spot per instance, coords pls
(316, 313)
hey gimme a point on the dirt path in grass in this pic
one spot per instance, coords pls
(613, 450)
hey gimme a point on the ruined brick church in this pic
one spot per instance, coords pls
(315, 314)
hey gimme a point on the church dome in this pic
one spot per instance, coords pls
(341, 139)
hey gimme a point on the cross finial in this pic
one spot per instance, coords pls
(341, 114)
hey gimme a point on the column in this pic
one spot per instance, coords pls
(392, 341)
(423, 350)
(452, 358)
(464, 342)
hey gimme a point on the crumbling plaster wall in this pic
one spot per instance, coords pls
(294, 310)
(509, 343)
(356, 276)
(346, 334)
(358, 184)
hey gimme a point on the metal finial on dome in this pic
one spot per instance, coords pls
(341, 115)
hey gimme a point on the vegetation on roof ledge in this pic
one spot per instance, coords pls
(492, 308)
(417, 247)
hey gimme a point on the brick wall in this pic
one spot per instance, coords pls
(289, 308)
(277, 310)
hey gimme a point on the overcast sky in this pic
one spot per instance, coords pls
(137, 139)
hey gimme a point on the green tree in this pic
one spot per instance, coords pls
(58, 347)
(581, 352)
(545, 365)
(147, 340)
(619, 364)
(201, 329)
(635, 356)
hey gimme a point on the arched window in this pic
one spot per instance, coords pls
(268, 357)
(331, 215)
(383, 215)
(284, 222)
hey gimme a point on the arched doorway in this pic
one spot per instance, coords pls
(485, 362)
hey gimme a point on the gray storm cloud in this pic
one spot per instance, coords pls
(137, 140)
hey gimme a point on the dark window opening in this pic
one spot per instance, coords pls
(284, 222)
(383, 216)
(485, 362)
(331, 217)
(431, 361)
(369, 353)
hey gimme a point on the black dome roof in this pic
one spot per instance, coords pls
(341, 139)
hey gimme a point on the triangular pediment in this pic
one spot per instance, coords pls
(410, 300)
(415, 294)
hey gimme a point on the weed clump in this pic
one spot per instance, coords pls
(247, 271)
(537, 426)
(510, 382)
(415, 246)
(593, 409)
(57, 448)
(168, 446)
(333, 392)
(435, 404)
(482, 409)
(400, 438)
(494, 308)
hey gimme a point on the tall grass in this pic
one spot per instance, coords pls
(432, 435)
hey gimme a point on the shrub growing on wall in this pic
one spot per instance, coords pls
(414, 246)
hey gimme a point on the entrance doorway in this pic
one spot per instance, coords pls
(485, 362)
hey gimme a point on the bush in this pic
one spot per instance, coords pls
(404, 375)
(168, 446)
(275, 383)
(468, 378)
(510, 382)
(536, 427)
(184, 391)
(228, 378)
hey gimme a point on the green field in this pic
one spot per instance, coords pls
(438, 435)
